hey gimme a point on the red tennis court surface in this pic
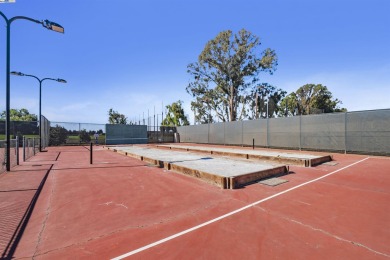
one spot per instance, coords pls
(120, 207)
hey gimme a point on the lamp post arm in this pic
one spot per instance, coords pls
(24, 18)
(5, 17)
(48, 79)
(32, 76)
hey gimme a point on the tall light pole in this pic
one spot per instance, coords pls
(45, 23)
(40, 99)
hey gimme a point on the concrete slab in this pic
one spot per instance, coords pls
(226, 173)
(299, 159)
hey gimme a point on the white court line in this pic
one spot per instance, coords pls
(230, 213)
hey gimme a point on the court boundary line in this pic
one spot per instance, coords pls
(161, 241)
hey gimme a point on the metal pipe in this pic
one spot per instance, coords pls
(17, 150)
(90, 153)
(24, 148)
(8, 97)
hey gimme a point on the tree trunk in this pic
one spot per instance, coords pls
(232, 105)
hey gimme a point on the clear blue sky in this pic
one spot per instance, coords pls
(132, 55)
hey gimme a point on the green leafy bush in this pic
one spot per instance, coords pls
(58, 135)
(84, 136)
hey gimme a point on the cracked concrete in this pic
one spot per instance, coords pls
(115, 204)
(48, 211)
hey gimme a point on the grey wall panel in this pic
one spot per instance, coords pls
(181, 130)
(217, 133)
(194, 133)
(323, 132)
(369, 131)
(365, 131)
(233, 133)
(255, 129)
(126, 134)
(284, 132)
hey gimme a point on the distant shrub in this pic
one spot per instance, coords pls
(84, 136)
(58, 135)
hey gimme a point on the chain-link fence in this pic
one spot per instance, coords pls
(20, 128)
(14, 155)
(161, 134)
(65, 133)
(30, 147)
(355, 132)
(68, 133)
(20, 150)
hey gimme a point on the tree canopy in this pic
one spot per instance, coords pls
(226, 74)
(175, 115)
(116, 118)
(265, 98)
(311, 99)
(19, 115)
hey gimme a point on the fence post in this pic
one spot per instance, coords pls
(24, 148)
(17, 150)
(267, 130)
(90, 153)
(300, 133)
(242, 133)
(208, 132)
(345, 132)
(33, 145)
(224, 133)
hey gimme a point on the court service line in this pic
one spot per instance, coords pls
(231, 213)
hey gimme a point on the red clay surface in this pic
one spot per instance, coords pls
(119, 204)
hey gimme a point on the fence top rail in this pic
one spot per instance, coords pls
(55, 122)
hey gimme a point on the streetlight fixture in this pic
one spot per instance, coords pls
(40, 99)
(45, 23)
(52, 26)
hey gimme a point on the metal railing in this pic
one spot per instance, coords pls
(14, 155)
(28, 147)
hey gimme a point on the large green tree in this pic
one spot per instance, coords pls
(175, 115)
(311, 99)
(116, 118)
(265, 98)
(19, 115)
(225, 74)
